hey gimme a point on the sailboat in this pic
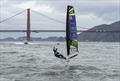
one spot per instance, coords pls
(71, 36)
(71, 33)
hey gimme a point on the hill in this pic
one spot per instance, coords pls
(102, 33)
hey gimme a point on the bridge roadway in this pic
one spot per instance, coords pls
(37, 31)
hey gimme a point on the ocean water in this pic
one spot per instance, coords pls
(36, 62)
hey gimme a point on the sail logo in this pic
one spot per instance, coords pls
(73, 43)
(73, 34)
(71, 12)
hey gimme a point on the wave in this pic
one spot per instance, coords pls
(10, 52)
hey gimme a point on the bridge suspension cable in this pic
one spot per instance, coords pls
(12, 16)
(53, 19)
(50, 18)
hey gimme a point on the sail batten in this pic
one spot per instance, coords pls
(71, 31)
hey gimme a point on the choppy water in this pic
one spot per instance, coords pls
(36, 62)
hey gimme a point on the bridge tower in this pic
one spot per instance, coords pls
(28, 25)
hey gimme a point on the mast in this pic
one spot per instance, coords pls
(28, 24)
(67, 31)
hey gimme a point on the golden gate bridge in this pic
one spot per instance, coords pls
(28, 25)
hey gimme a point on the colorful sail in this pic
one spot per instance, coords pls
(71, 31)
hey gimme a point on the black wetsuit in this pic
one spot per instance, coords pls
(57, 54)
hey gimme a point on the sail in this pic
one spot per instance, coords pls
(71, 31)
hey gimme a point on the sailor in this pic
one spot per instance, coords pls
(57, 54)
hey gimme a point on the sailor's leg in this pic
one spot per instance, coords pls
(62, 57)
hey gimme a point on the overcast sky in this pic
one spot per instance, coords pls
(89, 13)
